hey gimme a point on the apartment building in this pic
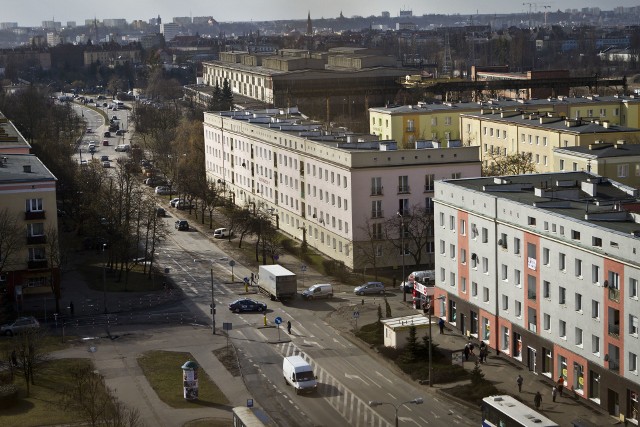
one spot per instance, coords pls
(545, 269)
(326, 187)
(11, 140)
(501, 133)
(619, 161)
(441, 121)
(28, 195)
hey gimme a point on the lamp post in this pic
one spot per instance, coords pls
(441, 298)
(213, 306)
(416, 401)
(104, 278)
(404, 291)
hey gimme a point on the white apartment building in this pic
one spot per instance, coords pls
(545, 269)
(325, 187)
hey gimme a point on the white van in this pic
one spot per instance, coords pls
(320, 290)
(425, 277)
(220, 233)
(299, 374)
(123, 147)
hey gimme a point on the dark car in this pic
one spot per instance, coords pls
(182, 225)
(247, 305)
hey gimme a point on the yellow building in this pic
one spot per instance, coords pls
(509, 132)
(619, 161)
(28, 202)
(440, 121)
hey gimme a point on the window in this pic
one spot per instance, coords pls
(463, 256)
(561, 165)
(546, 322)
(546, 289)
(376, 209)
(34, 205)
(623, 171)
(578, 337)
(505, 302)
(562, 329)
(518, 309)
(633, 325)
(428, 182)
(463, 284)
(452, 279)
(485, 294)
(575, 235)
(505, 340)
(452, 223)
(595, 345)
(595, 309)
(452, 251)
(531, 221)
(578, 300)
(516, 246)
(474, 289)
(442, 219)
(562, 262)
(578, 265)
(633, 288)
(562, 295)
(485, 265)
(376, 186)
(485, 235)
(463, 227)
(504, 274)
(545, 256)
(595, 274)
(517, 278)
(442, 274)
(403, 184)
(633, 363)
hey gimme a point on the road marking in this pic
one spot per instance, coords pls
(425, 421)
(374, 383)
(356, 377)
(384, 378)
(407, 419)
(311, 343)
(435, 415)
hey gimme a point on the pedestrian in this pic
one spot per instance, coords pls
(554, 392)
(537, 399)
(289, 327)
(519, 380)
(471, 346)
(441, 325)
(71, 308)
(483, 354)
(466, 352)
(560, 384)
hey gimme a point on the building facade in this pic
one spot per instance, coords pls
(327, 188)
(545, 268)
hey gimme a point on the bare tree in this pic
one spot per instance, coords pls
(29, 354)
(55, 258)
(87, 395)
(510, 164)
(418, 230)
(369, 250)
(11, 238)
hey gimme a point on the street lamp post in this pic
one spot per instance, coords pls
(213, 306)
(104, 278)
(416, 401)
(404, 291)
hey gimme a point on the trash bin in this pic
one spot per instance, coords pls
(190, 380)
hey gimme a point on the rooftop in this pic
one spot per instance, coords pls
(10, 137)
(603, 150)
(18, 168)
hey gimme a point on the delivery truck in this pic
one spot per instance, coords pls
(277, 282)
(299, 374)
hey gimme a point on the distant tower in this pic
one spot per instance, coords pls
(159, 20)
(309, 26)
(447, 66)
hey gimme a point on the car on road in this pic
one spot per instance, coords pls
(247, 304)
(369, 288)
(182, 225)
(319, 290)
(161, 212)
(106, 164)
(183, 204)
(123, 147)
(105, 142)
(161, 189)
(107, 134)
(104, 158)
(21, 324)
(220, 233)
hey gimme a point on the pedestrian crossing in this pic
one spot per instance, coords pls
(354, 410)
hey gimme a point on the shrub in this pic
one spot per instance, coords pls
(287, 245)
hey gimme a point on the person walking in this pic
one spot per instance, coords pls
(519, 381)
(554, 392)
(537, 399)
(441, 325)
(289, 327)
(466, 352)
(560, 385)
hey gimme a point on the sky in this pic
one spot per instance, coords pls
(33, 12)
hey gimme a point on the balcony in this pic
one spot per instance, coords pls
(410, 129)
(376, 191)
(28, 215)
(531, 295)
(614, 294)
(34, 264)
(614, 330)
(377, 214)
(36, 240)
(403, 189)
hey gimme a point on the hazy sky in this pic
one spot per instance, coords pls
(33, 12)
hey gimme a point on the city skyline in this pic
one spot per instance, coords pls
(31, 13)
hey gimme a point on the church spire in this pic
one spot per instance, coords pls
(309, 26)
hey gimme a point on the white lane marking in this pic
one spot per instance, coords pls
(383, 377)
(355, 377)
(407, 419)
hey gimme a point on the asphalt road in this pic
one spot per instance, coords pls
(348, 376)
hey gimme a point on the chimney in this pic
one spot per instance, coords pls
(26, 168)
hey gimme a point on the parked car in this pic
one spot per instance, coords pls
(182, 225)
(105, 142)
(123, 147)
(175, 200)
(220, 233)
(183, 204)
(369, 288)
(106, 164)
(161, 189)
(104, 158)
(161, 212)
(247, 305)
(107, 134)
(21, 324)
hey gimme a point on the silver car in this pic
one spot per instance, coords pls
(369, 288)
(21, 324)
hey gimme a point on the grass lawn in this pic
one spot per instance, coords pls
(162, 370)
(48, 344)
(92, 272)
(43, 406)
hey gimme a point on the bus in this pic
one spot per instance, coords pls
(506, 411)
(245, 417)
